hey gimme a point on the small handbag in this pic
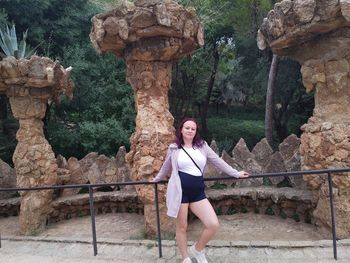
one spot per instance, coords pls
(192, 160)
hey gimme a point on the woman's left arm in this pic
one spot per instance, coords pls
(221, 165)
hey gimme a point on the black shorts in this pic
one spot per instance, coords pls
(192, 188)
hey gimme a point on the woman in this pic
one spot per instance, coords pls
(187, 158)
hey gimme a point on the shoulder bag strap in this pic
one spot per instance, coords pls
(192, 159)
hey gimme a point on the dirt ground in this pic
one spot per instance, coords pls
(243, 227)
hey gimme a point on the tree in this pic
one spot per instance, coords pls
(58, 24)
(101, 115)
(291, 100)
(271, 86)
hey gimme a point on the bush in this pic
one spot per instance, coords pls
(100, 117)
(231, 211)
(269, 211)
(228, 131)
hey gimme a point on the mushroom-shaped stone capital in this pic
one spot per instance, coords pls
(293, 22)
(39, 77)
(160, 30)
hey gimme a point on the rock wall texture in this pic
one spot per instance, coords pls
(7, 179)
(93, 169)
(295, 202)
(30, 84)
(262, 159)
(316, 33)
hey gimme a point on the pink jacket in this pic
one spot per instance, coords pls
(174, 191)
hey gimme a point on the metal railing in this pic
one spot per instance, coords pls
(90, 187)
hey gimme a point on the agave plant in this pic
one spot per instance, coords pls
(9, 44)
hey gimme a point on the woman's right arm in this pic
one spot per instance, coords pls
(165, 169)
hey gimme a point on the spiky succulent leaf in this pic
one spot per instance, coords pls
(9, 44)
(13, 38)
(3, 44)
(23, 45)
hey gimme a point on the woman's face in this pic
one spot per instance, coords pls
(189, 130)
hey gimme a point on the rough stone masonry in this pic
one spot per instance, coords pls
(316, 33)
(149, 36)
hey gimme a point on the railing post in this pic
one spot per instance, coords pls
(158, 220)
(330, 185)
(93, 225)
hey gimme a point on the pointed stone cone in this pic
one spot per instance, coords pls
(246, 160)
(262, 152)
(211, 171)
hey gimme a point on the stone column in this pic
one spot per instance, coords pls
(149, 36)
(153, 133)
(34, 161)
(30, 84)
(316, 33)
(325, 142)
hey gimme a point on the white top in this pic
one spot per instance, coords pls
(185, 163)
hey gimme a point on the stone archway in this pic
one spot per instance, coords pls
(149, 36)
(316, 33)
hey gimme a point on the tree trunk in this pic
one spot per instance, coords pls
(254, 17)
(269, 100)
(3, 107)
(282, 115)
(210, 86)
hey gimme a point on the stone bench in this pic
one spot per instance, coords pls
(104, 202)
(78, 205)
(285, 202)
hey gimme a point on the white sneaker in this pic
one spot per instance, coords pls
(198, 255)
(187, 260)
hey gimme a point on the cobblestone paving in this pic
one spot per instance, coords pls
(30, 250)
(243, 238)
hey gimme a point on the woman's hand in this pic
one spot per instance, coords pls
(152, 180)
(243, 174)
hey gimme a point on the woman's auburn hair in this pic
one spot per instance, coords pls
(197, 140)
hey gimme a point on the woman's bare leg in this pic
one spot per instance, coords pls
(181, 230)
(205, 212)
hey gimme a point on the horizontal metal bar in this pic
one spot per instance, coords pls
(297, 173)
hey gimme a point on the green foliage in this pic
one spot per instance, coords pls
(269, 211)
(267, 181)
(257, 210)
(228, 131)
(218, 186)
(8, 142)
(3, 18)
(247, 15)
(284, 183)
(59, 23)
(104, 189)
(106, 135)
(296, 217)
(231, 211)
(10, 46)
(68, 216)
(218, 211)
(244, 210)
(283, 214)
(101, 116)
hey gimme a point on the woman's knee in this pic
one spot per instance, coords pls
(181, 227)
(214, 226)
